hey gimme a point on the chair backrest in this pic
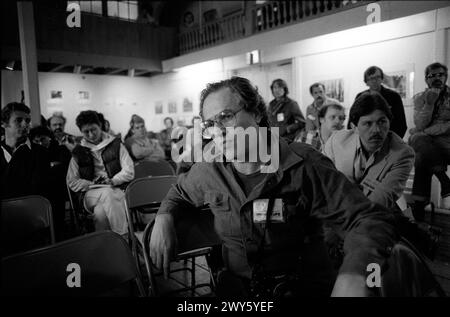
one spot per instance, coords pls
(144, 192)
(408, 275)
(194, 229)
(26, 223)
(102, 259)
(153, 168)
(148, 190)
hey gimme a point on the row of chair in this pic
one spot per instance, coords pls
(27, 226)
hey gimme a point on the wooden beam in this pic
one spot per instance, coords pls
(29, 59)
(59, 67)
(118, 70)
(141, 72)
(85, 70)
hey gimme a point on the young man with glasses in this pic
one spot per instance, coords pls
(24, 166)
(431, 138)
(270, 223)
(373, 77)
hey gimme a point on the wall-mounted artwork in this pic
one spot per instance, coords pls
(172, 107)
(187, 105)
(334, 88)
(83, 96)
(397, 81)
(56, 94)
(158, 107)
(401, 79)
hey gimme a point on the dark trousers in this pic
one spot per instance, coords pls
(432, 156)
(315, 279)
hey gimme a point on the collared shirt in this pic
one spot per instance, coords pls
(361, 163)
(312, 192)
(7, 150)
(312, 114)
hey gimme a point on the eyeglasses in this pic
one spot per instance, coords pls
(429, 76)
(226, 118)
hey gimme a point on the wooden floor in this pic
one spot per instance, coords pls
(441, 265)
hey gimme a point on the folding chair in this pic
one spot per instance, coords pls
(151, 168)
(196, 237)
(408, 275)
(26, 224)
(96, 264)
(142, 197)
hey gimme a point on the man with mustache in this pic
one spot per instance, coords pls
(317, 91)
(369, 154)
(431, 139)
(373, 77)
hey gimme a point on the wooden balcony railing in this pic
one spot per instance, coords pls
(264, 17)
(227, 29)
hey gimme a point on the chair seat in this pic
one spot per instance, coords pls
(193, 253)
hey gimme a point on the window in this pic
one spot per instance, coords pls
(94, 7)
(126, 10)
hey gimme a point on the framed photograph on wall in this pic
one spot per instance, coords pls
(334, 88)
(187, 105)
(84, 96)
(158, 107)
(56, 94)
(172, 106)
(401, 79)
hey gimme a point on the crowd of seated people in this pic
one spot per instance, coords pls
(346, 185)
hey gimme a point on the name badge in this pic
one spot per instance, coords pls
(311, 117)
(260, 208)
(280, 117)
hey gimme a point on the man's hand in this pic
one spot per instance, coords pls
(81, 186)
(163, 243)
(431, 95)
(350, 285)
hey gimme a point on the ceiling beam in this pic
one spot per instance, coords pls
(118, 70)
(140, 73)
(59, 67)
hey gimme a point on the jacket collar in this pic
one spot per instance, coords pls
(107, 139)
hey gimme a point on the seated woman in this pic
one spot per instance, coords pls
(140, 145)
(99, 164)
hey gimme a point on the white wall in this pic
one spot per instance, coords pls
(410, 53)
(262, 76)
(117, 97)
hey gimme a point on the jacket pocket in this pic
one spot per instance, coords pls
(219, 203)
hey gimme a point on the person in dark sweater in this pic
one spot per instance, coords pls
(373, 77)
(24, 166)
(284, 112)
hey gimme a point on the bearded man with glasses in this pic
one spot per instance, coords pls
(431, 139)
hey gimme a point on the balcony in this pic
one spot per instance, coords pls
(258, 19)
